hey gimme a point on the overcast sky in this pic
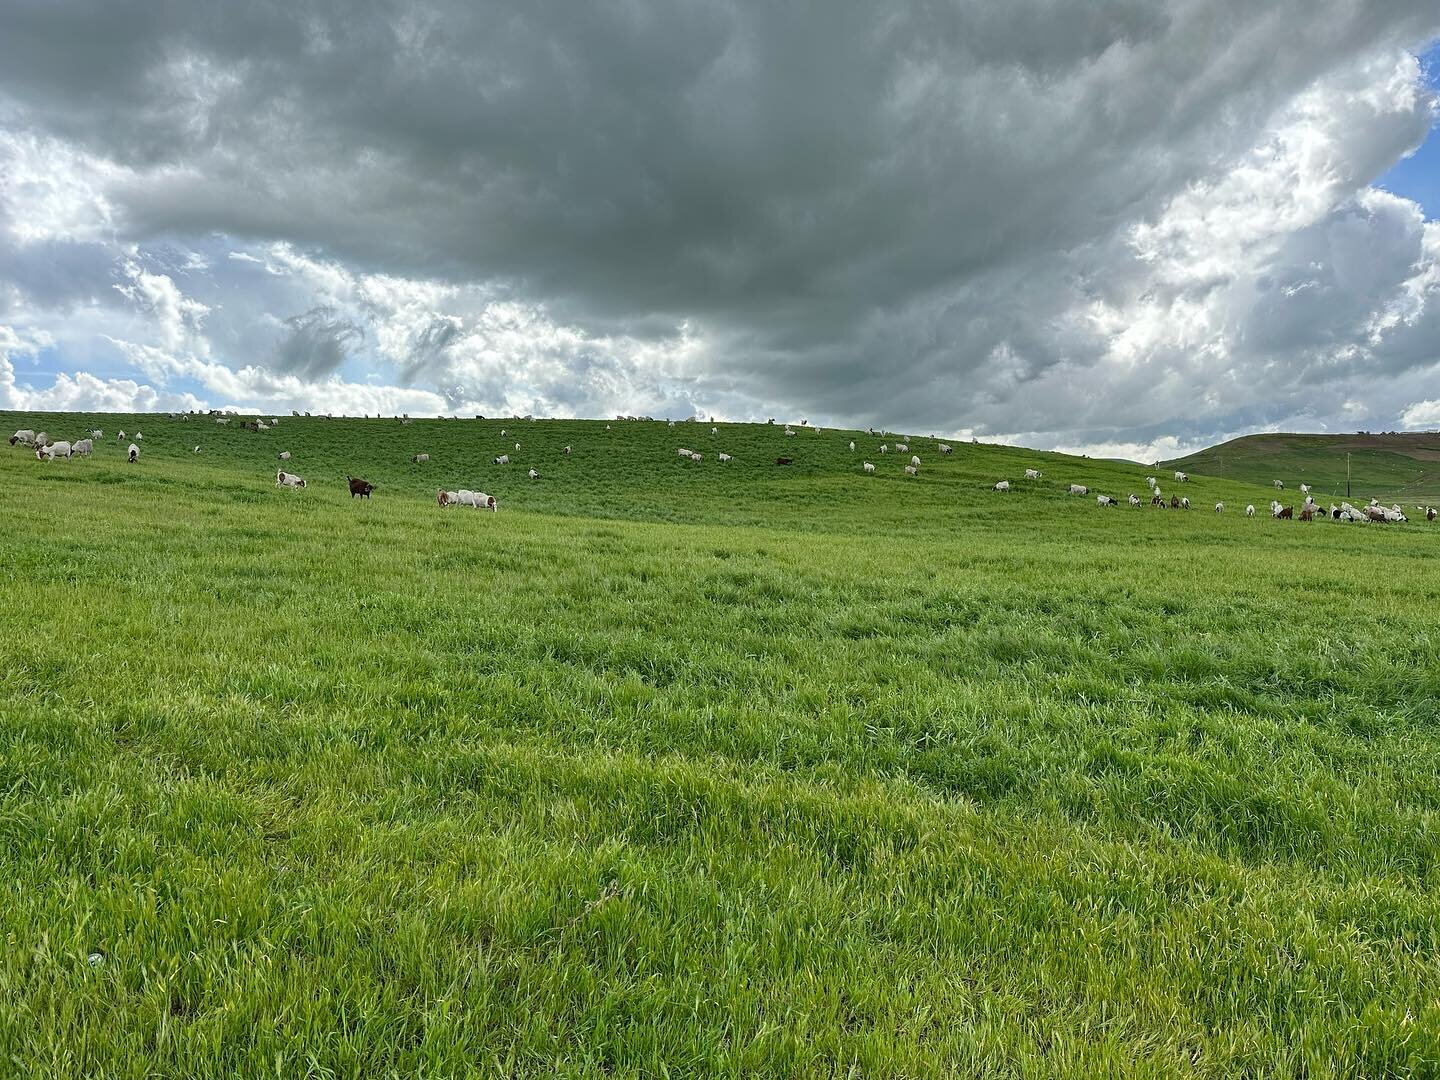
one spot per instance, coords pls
(1128, 226)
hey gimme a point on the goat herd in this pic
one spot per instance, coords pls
(1309, 509)
(48, 449)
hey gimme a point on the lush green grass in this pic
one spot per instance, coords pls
(1403, 466)
(710, 769)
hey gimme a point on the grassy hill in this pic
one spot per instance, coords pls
(735, 770)
(1403, 466)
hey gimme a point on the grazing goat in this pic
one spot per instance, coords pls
(1134, 501)
(944, 448)
(25, 437)
(53, 450)
(84, 448)
(196, 450)
(134, 453)
(1184, 504)
(1003, 485)
(290, 480)
(911, 470)
(1157, 500)
(884, 449)
(1279, 484)
(1079, 489)
(1105, 500)
(852, 446)
(284, 455)
(1429, 513)
(915, 460)
(503, 459)
(567, 451)
(1285, 512)
(1219, 508)
(869, 467)
(784, 461)
(1304, 489)
(359, 487)
(1032, 474)
(726, 457)
(1307, 515)
(904, 448)
(536, 476)
(1182, 477)
(419, 459)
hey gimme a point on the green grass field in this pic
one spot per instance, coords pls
(678, 769)
(1403, 466)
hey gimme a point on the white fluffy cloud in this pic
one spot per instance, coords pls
(81, 392)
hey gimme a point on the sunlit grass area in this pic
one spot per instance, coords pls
(710, 769)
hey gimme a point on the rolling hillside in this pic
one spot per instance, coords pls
(1404, 466)
(698, 769)
(617, 469)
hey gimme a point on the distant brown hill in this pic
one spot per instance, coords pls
(1402, 465)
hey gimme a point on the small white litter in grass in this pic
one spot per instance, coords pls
(96, 959)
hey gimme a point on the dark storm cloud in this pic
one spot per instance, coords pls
(683, 157)
(428, 348)
(866, 207)
(316, 343)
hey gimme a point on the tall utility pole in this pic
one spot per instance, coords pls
(1347, 474)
